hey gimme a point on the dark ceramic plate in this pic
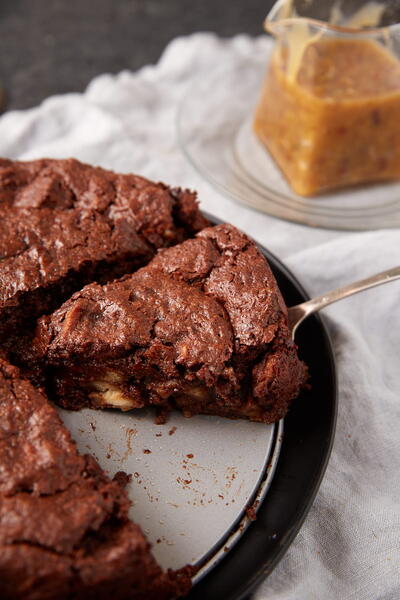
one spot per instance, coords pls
(308, 435)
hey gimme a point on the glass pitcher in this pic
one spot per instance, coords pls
(329, 111)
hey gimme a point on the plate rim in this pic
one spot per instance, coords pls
(273, 558)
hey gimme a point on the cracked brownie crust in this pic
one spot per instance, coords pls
(65, 224)
(64, 527)
(203, 328)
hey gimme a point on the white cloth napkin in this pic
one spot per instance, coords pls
(349, 546)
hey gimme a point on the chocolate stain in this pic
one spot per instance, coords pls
(230, 476)
(129, 433)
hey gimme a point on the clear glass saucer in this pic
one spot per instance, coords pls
(215, 132)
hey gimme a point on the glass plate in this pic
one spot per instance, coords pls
(215, 132)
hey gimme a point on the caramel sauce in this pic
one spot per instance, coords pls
(333, 119)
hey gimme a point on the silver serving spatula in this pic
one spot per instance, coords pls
(298, 313)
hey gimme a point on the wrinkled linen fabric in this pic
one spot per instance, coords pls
(348, 547)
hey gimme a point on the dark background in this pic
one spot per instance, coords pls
(55, 46)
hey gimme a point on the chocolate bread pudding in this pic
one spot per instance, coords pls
(64, 527)
(65, 224)
(196, 322)
(202, 328)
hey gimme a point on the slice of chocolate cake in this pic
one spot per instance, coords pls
(64, 527)
(202, 328)
(65, 224)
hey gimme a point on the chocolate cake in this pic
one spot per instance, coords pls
(64, 224)
(64, 527)
(202, 328)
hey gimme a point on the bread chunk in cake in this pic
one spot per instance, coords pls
(202, 328)
(64, 527)
(65, 224)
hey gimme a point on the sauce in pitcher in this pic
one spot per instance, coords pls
(329, 111)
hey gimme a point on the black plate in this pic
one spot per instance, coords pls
(307, 441)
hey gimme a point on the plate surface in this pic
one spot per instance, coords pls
(215, 133)
(194, 478)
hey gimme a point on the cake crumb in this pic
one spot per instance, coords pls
(251, 511)
(122, 478)
(162, 415)
(172, 431)
(146, 451)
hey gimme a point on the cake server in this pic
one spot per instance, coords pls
(298, 313)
